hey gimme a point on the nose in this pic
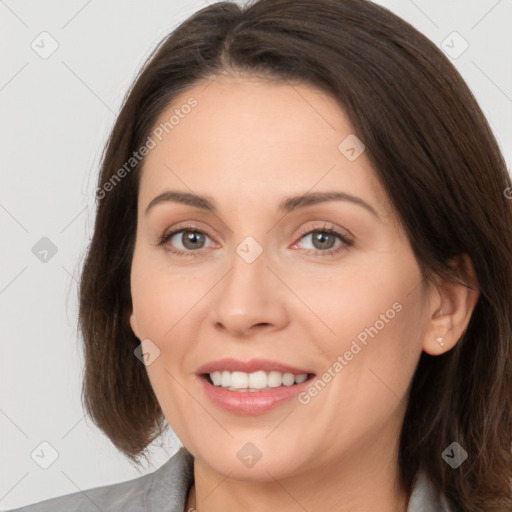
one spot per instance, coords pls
(249, 298)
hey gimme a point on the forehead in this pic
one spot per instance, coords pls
(256, 138)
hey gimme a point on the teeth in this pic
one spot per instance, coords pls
(241, 381)
(299, 379)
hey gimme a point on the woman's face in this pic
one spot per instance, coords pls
(256, 280)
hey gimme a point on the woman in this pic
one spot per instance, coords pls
(339, 338)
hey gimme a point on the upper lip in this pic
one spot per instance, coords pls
(253, 365)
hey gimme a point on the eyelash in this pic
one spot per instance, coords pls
(346, 241)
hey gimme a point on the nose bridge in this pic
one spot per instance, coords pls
(250, 294)
(247, 280)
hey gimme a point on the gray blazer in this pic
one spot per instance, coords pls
(166, 490)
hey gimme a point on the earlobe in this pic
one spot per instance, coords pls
(451, 311)
(133, 325)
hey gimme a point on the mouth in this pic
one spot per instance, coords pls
(252, 387)
(257, 381)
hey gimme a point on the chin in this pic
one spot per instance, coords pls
(263, 463)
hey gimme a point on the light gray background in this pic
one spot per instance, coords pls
(56, 115)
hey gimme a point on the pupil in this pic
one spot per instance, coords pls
(192, 237)
(320, 237)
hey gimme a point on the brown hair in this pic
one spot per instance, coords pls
(435, 155)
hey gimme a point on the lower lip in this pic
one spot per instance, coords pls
(249, 402)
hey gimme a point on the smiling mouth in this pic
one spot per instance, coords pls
(255, 381)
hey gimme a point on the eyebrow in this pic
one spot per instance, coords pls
(286, 206)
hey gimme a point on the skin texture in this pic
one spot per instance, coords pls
(249, 144)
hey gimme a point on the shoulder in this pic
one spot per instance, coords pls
(424, 498)
(168, 485)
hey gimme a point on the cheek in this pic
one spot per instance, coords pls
(344, 304)
(161, 300)
(371, 317)
(161, 295)
(370, 360)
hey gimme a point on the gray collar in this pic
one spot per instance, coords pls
(171, 483)
(424, 498)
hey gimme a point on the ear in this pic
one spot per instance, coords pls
(450, 308)
(133, 325)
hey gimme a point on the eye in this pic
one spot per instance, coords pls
(193, 239)
(190, 238)
(324, 238)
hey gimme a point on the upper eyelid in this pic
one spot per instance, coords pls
(190, 226)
